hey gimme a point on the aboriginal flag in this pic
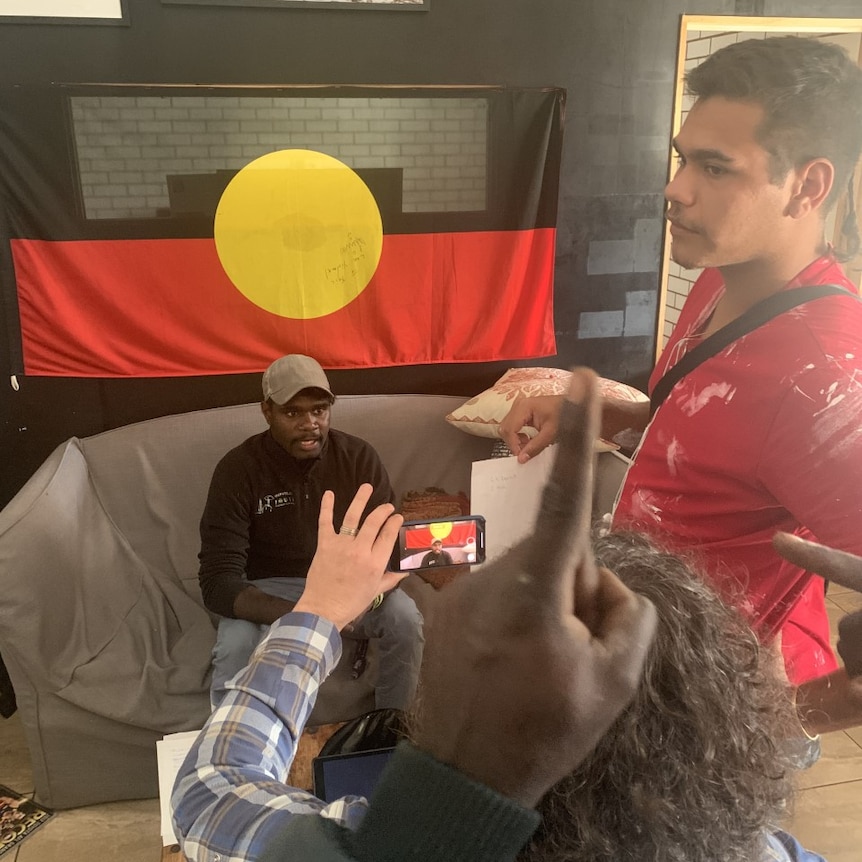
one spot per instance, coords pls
(110, 206)
(459, 533)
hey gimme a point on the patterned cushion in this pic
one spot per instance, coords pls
(433, 503)
(483, 414)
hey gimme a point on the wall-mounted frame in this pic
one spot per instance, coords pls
(64, 12)
(389, 5)
(700, 35)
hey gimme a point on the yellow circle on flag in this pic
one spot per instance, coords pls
(298, 233)
(440, 529)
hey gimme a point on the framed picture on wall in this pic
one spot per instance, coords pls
(403, 5)
(64, 12)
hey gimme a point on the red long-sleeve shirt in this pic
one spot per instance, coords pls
(764, 436)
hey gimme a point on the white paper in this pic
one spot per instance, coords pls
(508, 494)
(170, 754)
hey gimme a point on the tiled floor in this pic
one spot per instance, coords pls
(127, 831)
(826, 817)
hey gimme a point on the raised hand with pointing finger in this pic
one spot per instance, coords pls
(529, 661)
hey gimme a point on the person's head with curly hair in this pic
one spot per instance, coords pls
(695, 768)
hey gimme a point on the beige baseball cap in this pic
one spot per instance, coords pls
(291, 374)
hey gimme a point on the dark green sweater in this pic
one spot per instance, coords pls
(422, 810)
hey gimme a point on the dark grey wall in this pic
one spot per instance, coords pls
(615, 57)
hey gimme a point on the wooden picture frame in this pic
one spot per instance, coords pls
(379, 5)
(112, 12)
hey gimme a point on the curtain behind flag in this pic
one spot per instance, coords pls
(109, 197)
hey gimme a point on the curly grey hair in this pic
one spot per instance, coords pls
(695, 768)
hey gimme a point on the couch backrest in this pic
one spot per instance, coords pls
(152, 477)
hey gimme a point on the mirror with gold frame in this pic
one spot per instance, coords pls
(700, 35)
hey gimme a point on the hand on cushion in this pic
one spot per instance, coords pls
(542, 412)
(534, 395)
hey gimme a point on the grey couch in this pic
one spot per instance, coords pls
(101, 622)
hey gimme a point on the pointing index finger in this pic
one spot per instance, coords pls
(561, 536)
(834, 565)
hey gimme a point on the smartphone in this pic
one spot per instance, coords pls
(456, 541)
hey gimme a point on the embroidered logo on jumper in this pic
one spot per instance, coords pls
(275, 501)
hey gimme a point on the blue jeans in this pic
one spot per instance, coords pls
(397, 625)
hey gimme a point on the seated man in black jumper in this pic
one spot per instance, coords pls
(436, 556)
(259, 529)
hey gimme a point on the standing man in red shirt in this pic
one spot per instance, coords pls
(766, 434)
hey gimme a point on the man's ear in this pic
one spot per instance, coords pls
(266, 409)
(812, 184)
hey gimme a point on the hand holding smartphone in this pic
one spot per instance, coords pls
(439, 542)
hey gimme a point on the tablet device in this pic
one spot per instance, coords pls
(354, 774)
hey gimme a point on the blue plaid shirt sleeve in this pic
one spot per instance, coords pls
(231, 795)
(783, 847)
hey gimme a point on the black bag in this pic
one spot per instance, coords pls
(380, 728)
(754, 318)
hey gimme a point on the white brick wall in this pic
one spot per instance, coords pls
(127, 145)
(679, 283)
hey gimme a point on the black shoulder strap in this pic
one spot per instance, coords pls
(755, 317)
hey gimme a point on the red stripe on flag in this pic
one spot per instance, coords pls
(461, 533)
(165, 308)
